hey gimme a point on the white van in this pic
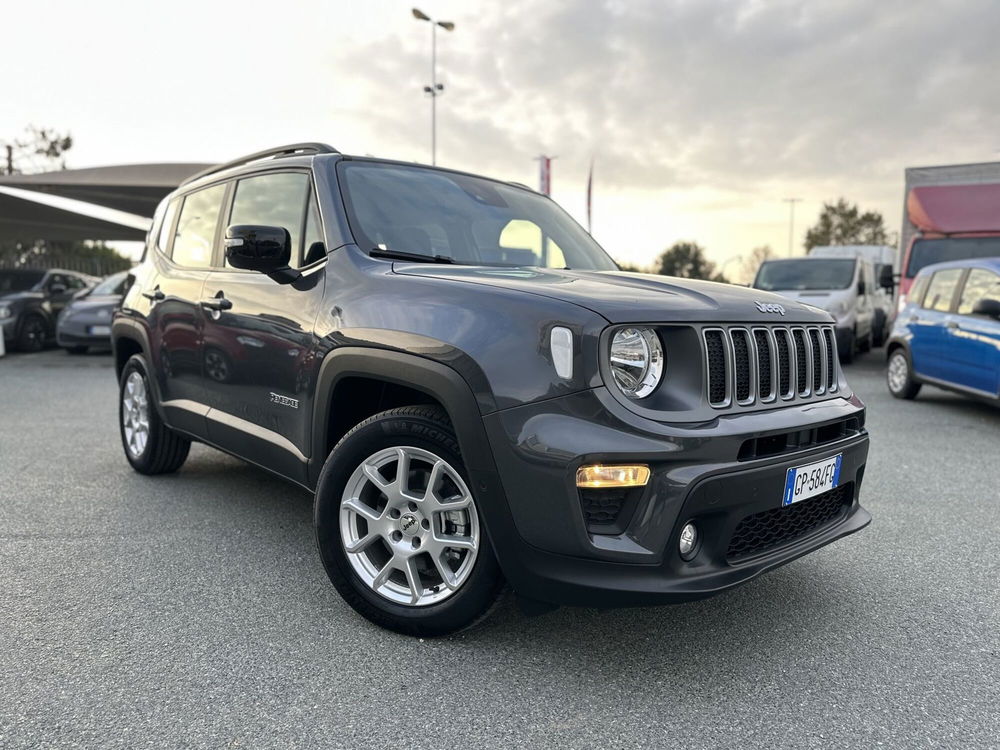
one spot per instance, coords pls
(844, 287)
(881, 257)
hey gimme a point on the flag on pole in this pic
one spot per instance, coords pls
(590, 191)
(545, 175)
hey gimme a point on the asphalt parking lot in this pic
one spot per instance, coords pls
(193, 610)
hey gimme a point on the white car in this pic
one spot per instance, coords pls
(882, 258)
(844, 287)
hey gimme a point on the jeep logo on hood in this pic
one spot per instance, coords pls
(768, 307)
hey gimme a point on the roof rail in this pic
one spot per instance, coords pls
(292, 149)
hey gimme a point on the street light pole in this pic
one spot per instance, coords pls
(435, 89)
(791, 220)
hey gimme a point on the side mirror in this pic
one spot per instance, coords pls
(264, 249)
(987, 306)
(862, 287)
(57, 289)
(886, 279)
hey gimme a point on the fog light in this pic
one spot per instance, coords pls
(689, 541)
(598, 477)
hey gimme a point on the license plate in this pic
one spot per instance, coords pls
(100, 330)
(810, 480)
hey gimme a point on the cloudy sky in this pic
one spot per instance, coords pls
(701, 116)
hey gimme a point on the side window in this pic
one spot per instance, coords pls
(274, 200)
(917, 290)
(979, 284)
(195, 237)
(163, 237)
(75, 282)
(941, 289)
(314, 247)
(56, 279)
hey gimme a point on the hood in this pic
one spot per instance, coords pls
(16, 296)
(630, 297)
(92, 302)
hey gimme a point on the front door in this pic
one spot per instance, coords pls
(258, 345)
(974, 340)
(928, 325)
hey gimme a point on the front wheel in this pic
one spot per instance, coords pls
(899, 377)
(398, 527)
(150, 446)
(31, 334)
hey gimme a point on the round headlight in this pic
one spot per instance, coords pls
(636, 361)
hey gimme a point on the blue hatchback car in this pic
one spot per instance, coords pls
(948, 335)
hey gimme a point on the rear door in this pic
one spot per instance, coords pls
(185, 249)
(928, 325)
(259, 355)
(974, 340)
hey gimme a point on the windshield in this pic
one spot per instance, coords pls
(471, 220)
(19, 281)
(925, 252)
(805, 273)
(114, 284)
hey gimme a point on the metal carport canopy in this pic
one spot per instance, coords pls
(98, 203)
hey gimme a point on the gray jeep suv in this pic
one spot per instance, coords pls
(477, 395)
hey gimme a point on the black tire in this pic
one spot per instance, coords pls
(76, 349)
(164, 451)
(31, 334)
(426, 428)
(865, 345)
(848, 352)
(881, 329)
(900, 380)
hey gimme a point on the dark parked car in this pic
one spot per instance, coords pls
(86, 321)
(477, 395)
(31, 300)
(948, 334)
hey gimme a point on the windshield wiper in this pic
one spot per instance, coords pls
(400, 255)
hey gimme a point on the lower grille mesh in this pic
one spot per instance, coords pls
(772, 528)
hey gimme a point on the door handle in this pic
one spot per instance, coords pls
(952, 324)
(216, 304)
(155, 296)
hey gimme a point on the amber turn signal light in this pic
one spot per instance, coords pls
(599, 477)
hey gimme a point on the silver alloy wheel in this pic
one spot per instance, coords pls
(135, 414)
(409, 526)
(898, 373)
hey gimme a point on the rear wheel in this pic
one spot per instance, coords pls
(398, 527)
(150, 446)
(899, 376)
(848, 352)
(32, 333)
(865, 345)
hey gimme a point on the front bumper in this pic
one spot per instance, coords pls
(78, 332)
(703, 473)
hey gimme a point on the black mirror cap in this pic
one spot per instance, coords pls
(987, 306)
(253, 247)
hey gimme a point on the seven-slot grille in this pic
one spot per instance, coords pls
(763, 364)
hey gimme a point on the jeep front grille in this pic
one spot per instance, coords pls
(746, 366)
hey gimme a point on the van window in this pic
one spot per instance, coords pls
(980, 284)
(195, 237)
(941, 290)
(163, 238)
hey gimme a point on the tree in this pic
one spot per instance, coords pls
(631, 268)
(842, 223)
(750, 264)
(687, 260)
(39, 143)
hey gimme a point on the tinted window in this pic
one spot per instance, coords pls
(470, 219)
(163, 238)
(925, 252)
(274, 200)
(805, 273)
(941, 289)
(195, 237)
(111, 285)
(979, 284)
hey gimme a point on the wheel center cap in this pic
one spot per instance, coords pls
(409, 524)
